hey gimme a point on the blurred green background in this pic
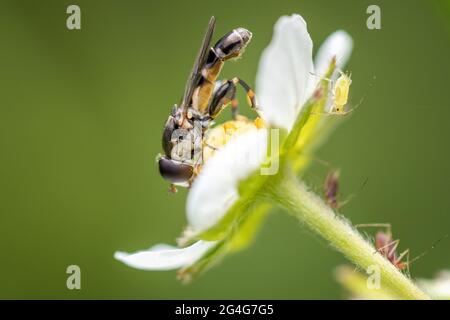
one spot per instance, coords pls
(80, 124)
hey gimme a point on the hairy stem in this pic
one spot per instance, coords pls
(294, 196)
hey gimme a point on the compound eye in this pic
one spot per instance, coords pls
(169, 128)
(174, 171)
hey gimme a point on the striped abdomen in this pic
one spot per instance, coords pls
(228, 47)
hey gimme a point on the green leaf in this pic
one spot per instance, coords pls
(239, 238)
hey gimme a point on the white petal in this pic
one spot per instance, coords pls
(165, 257)
(339, 44)
(437, 288)
(284, 72)
(216, 188)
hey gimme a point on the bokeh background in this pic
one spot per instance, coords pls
(80, 126)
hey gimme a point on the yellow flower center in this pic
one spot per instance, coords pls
(218, 136)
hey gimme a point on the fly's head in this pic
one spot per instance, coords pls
(182, 145)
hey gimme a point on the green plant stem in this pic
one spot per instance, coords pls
(294, 196)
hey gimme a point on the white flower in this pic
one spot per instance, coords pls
(165, 257)
(286, 79)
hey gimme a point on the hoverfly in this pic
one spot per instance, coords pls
(203, 100)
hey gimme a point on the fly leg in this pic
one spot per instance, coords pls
(225, 94)
(249, 91)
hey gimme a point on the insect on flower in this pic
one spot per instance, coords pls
(284, 86)
(184, 132)
(340, 94)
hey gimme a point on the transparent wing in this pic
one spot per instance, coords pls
(198, 65)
